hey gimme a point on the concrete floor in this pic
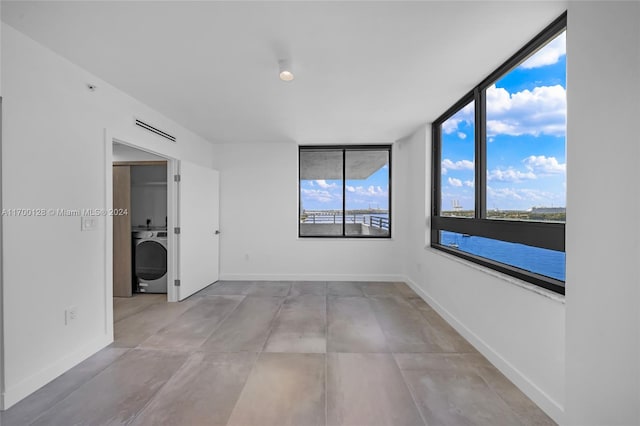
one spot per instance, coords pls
(281, 353)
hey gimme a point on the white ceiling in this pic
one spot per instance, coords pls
(366, 72)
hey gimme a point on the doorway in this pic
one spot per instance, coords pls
(191, 220)
(143, 250)
(191, 223)
(139, 227)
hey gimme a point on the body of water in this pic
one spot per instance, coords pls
(545, 262)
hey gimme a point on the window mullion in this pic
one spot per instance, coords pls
(481, 154)
(344, 192)
(436, 187)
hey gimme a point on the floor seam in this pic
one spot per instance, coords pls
(326, 354)
(479, 374)
(404, 380)
(244, 385)
(137, 312)
(155, 394)
(226, 317)
(272, 324)
(78, 388)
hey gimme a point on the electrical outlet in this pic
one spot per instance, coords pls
(89, 223)
(70, 314)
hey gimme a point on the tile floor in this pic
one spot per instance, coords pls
(281, 353)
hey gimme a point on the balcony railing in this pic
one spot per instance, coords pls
(374, 221)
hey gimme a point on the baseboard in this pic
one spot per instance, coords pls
(31, 384)
(528, 387)
(310, 277)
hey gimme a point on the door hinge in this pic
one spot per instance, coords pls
(176, 178)
(176, 283)
(176, 230)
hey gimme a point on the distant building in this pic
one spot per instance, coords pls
(548, 210)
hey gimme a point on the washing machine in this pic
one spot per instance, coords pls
(150, 261)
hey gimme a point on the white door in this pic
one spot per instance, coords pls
(198, 218)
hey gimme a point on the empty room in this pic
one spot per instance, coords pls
(319, 213)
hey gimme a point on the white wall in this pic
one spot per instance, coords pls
(126, 153)
(258, 223)
(603, 304)
(148, 195)
(1, 239)
(518, 330)
(55, 156)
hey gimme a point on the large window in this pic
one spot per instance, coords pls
(345, 191)
(499, 167)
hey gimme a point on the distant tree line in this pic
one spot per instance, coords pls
(513, 215)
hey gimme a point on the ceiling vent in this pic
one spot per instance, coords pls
(155, 130)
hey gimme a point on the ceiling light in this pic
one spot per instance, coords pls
(286, 72)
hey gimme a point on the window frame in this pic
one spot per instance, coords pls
(344, 149)
(548, 235)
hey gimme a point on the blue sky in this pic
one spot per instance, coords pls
(361, 193)
(526, 127)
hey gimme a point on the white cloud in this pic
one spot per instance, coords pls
(521, 198)
(317, 195)
(447, 164)
(464, 115)
(323, 184)
(462, 135)
(371, 191)
(377, 190)
(541, 111)
(469, 183)
(545, 165)
(536, 166)
(549, 54)
(538, 195)
(454, 182)
(503, 193)
(510, 175)
(331, 197)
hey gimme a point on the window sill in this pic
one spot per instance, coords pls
(504, 277)
(317, 238)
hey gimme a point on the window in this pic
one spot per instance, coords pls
(345, 191)
(457, 171)
(499, 167)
